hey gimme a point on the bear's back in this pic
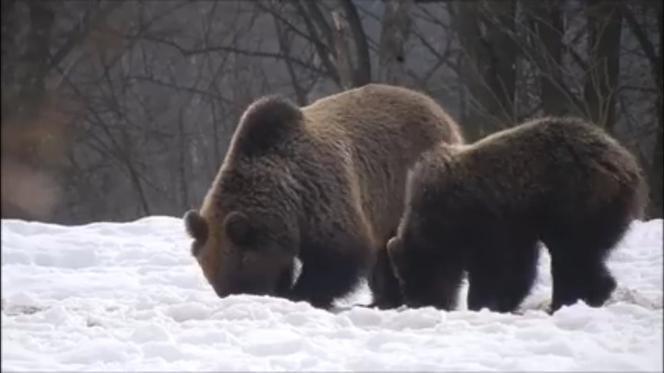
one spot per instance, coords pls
(562, 163)
(384, 130)
(377, 112)
(561, 150)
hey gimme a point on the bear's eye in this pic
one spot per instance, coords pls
(238, 228)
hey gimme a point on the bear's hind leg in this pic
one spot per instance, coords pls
(577, 277)
(580, 241)
(578, 256)
(519, 273)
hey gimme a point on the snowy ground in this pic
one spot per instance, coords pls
(119, 297)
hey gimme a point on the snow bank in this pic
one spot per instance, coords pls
(128, 296)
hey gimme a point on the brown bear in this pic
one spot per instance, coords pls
(483, 208)
(324, 184)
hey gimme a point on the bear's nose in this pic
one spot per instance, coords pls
(221, 291)
(249, 285)
(239, 288)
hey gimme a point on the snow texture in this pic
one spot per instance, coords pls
(128, 297)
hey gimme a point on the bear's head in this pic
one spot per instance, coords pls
(246, 254)
(406, 251)
(427, 273)
(423, 275)
(408, 268)
(246, 235)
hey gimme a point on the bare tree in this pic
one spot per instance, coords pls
(545, 50)
(488, 64)
(654, 58)
(114, 110)
(395, 32)
(604, 29)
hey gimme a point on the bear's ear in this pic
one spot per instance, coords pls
(267, 122)
(392, 245)
(394, 255)
(238, 228)
(196, 226)
(394, 249)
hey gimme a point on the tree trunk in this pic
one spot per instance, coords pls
(27, 138)
(546, 26)
(655, 174)
(135, 180)
(391, 54)
(604, 29)
(362, 71)
(501, 76)
(343, 60)
(35, 62)
(488, 69)
(183, 145)
(653, 166)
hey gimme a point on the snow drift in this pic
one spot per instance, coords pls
(128, 296)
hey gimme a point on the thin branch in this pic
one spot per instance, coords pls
(220, 48)
(363, 71)
(82, 31)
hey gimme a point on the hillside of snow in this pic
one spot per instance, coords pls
(128, 296)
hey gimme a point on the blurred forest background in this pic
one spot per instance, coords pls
(112, 110)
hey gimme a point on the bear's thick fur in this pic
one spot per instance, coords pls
(324, 183)
(483, 208)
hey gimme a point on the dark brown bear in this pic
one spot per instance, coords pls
(324, 183)
(483, 208)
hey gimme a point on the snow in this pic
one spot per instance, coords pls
(128, 297)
